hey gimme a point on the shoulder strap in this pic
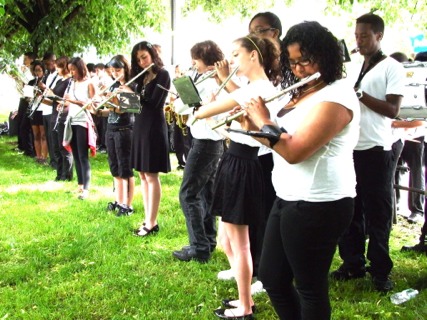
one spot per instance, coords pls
(379, 56)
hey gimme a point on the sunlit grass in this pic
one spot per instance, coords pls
(63, 258)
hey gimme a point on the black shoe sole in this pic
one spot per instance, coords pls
(226, 304)
(220, 313)
(347, 275)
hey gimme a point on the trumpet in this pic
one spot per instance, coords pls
(115, 93)
(304, 81)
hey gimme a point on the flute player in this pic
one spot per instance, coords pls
(313, 148)
(238, 195)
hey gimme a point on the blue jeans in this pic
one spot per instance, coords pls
(299, 244)
(196, 193)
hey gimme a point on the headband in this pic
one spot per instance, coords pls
(115, 63)
(256, 47)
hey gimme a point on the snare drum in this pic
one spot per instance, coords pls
(413, 104)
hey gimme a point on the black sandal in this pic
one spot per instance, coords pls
(227, 304)
(153, 230)
(220, 313)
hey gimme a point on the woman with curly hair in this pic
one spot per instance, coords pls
(313, 138)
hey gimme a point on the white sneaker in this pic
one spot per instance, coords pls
(226, 275)
(257, 288)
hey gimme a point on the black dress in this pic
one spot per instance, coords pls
(150, 146)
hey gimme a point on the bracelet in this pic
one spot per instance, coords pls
(274, 132)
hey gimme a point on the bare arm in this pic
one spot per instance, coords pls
(407, 124)
(325, 121)
(389, 108)
(214, 108)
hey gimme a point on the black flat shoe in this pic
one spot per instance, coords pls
(220, 313)
(186, 254)
(139, 229)
(226, 304)
(151, 231)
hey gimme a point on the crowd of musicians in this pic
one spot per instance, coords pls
(302, 165)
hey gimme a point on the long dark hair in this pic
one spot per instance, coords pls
(267, 51)
(120, 62)
(317, 43)
(80, 65)
(62, 62)
(136, 69)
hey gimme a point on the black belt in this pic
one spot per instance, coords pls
(377, 148)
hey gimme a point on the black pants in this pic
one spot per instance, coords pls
(181, 143)
(372, 214)
(299, 244)
(196, 192)
(48, 130)
(64, 168)
(257, 231)
(413, 156)
(25, 133)
(79, 145)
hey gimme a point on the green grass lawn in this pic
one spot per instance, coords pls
(63, 258)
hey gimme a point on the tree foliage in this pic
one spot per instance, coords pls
(71, 26)
(411, 13)
(220, 9)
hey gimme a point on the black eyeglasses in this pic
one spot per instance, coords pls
(303, 62)
(261, 31)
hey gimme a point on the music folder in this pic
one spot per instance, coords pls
(187, 91)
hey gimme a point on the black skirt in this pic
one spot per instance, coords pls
(239, 187)
(37, 119)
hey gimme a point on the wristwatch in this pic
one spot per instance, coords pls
(359, 94)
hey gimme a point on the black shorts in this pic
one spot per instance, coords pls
(119, 143)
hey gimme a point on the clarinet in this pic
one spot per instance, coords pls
(61, 106)
(37, 101)
(31, 101)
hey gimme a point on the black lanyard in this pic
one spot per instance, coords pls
(377, 57)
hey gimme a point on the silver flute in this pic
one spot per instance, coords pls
(115, 93)
(266, 100)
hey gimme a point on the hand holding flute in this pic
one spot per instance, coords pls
(115, 93)
(290, 88)
(89, 103)
(222, 86)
